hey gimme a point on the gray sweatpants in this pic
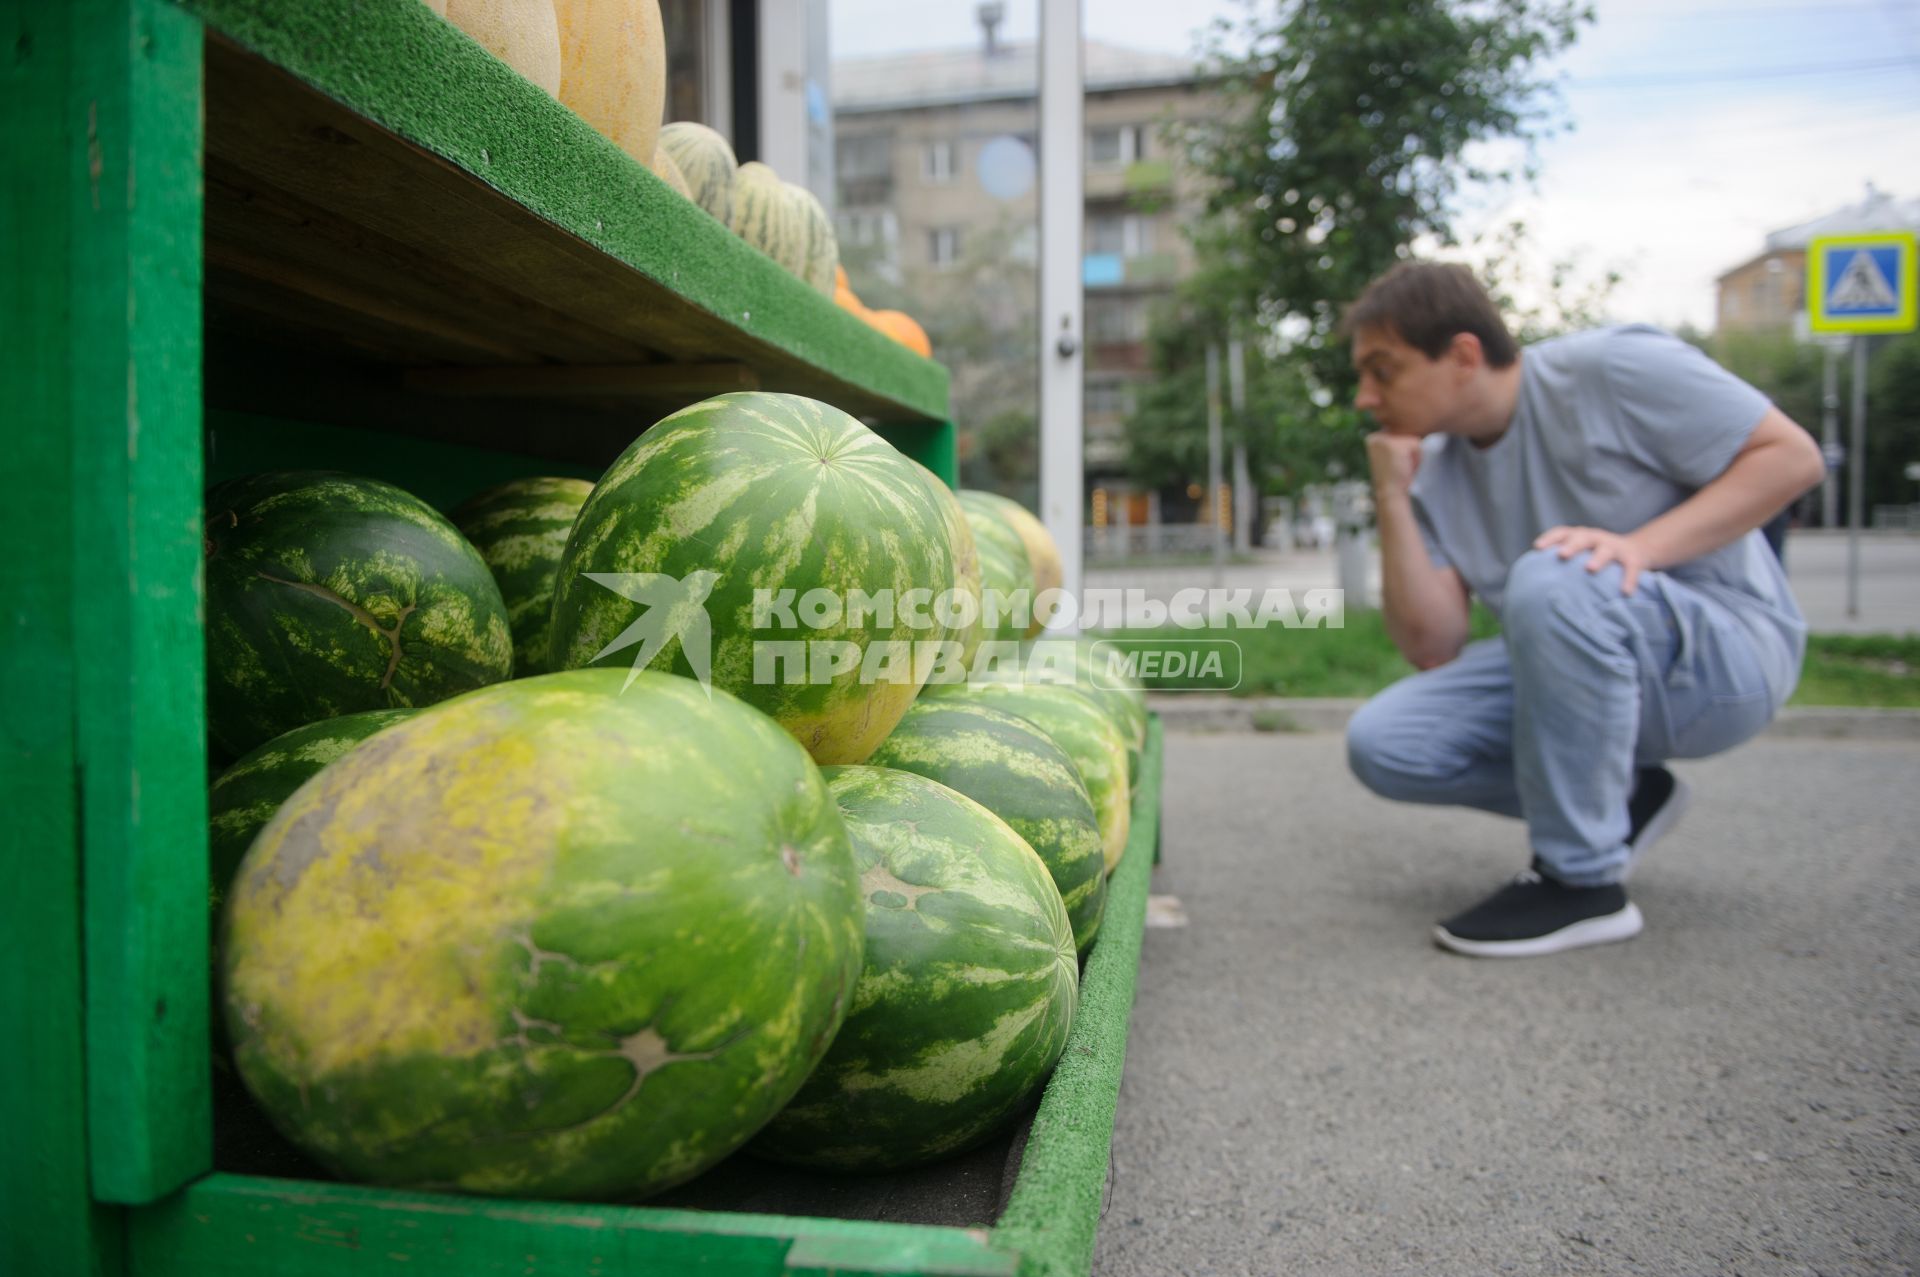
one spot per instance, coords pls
(1549, 721)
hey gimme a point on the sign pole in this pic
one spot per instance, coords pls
(1830, 436)
(1856, 473)
(1213, 464)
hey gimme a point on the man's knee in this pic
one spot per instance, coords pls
(1542, 586)
(1371, 736)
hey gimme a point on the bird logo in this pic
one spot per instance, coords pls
(675, 608)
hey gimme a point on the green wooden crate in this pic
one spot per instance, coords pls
(313, 232)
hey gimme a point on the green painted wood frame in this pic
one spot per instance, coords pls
(106, 1168)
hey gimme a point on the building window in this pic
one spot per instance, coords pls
(939, 162)
(1116, 319)
(863, 157)
(866, 226)
(1120, 234)
(1108, 399)
(1116, 147)
(943, 246)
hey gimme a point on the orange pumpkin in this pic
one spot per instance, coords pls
(902, 328)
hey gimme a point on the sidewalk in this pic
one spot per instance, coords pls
(1312, 1087)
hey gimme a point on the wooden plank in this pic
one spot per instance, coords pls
(572, 381)
(234, 1226)
(306, 194)
(133, 334)
(47, 1222)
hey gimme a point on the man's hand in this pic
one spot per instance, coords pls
(1608, 547)
(1394, 460)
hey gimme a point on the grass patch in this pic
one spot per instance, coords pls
(1872, 670)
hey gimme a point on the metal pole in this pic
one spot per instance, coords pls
(1062, 354)
(1856, 473)
(1213, 465)
(1237, 399)
(1830, 437)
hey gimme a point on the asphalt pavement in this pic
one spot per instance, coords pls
(1313, 1087)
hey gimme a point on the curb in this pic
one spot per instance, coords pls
(1330, 714)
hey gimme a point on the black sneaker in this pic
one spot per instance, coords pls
(1659, 798)
(1535, 915)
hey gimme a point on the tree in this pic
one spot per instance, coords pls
(1342, 142)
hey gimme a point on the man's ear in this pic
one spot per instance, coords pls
(1466, 352)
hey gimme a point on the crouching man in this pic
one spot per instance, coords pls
(1600, 494)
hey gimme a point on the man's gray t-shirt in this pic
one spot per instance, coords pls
(1612, 429)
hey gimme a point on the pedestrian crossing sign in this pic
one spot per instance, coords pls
(1863, 283)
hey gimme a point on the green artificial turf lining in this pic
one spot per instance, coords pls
(417, 75)
(1053, 1215)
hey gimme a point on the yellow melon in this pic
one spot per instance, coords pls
(438, 6)
(613, 69)
(521, 33)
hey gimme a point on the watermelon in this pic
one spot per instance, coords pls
(329, 594)
(756, 492)
(1074, 663)
(247, 794)
(1079, 725)
(1043, 553)
(520, 528)
(1014, 770)
(549, 939)
(1005, 572)
(706, 161)
(966, 995)
(966, 573)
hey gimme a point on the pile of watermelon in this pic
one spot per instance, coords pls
(535, 876)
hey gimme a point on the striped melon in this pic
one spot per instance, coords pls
(1043, 554)
(667, 171)
(328, 594)
(966, 573)
(613, 69)
(706, 161)
(766, 216)
(820, 259)
(1014, 770)
(520, 528)
(556, 938)
(754, 491)
(1074, 663)
(1006, 576)
(247, 794)
(1081, 726)
(966, 994)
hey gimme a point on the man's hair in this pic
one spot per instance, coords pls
(1428, 304)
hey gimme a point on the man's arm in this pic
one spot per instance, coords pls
(1425, 607)
(1778, 462)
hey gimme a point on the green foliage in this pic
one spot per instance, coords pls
(1340, 144)
(1791, 373)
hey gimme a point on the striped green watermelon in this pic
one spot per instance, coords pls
(1074, 662)
(1079, 725)
(967, 992)
(1014, 770)
(820, 256)
(751, 492)
(1005, 570)
(966, 573)
(1043, 555)
(244, 798)
(328, 594)
(707, 163)
(520, 528)
(549, 939)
